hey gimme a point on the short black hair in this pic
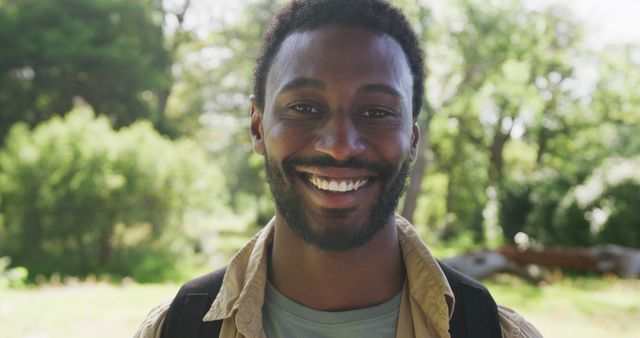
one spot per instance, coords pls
(374, 15)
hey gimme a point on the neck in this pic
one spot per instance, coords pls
(336, 281)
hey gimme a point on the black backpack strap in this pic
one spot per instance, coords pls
(475, 313)
(184, 318)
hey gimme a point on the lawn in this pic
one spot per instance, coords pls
(582, 307)
(85, 310)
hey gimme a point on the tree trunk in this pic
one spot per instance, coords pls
(448, 231)
(543, 138)
(180, 37)
(496, 167)
(420, 165)
(104, 243)
(415, 183)
(161, 119)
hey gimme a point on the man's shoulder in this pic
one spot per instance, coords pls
(151, 326)
(512, 324)
(515, 326)
(193, 301)
(209, 283)
(455, 278)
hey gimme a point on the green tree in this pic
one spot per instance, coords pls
(78, 197)
(485, 64)
(109, 53)
(213, 83)
(600, 127)
(603, 209)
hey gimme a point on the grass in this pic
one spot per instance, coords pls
(85, 310)
(581, 307)
(578, 307)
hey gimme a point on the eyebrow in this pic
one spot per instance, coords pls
(303, 82)
(381, 88)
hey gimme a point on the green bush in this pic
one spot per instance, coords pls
(605, 208)
(554, 210)
(11, 277)
(78, 197)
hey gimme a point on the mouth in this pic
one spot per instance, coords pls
(336, 185)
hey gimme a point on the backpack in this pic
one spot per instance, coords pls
(475, 314)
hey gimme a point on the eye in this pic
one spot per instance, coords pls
(304, 108)
(375, 113)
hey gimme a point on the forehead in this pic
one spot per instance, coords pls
(340, 54)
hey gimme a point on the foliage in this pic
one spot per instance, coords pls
(512, 128)
(79, 197)
(487, 66)
(595, 129)
(604, 209)
(109, 53)
(11, 277)
(517, 122)
(213, 83)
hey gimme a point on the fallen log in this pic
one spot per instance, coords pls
(486, 263)
(579, 259)
(622, 261)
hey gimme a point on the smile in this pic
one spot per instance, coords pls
(337, 185)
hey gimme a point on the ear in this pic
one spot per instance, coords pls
(257, 133)
(415, 141)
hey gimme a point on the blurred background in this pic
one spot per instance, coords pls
(126, 166)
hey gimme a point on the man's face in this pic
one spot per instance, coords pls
(337, 133)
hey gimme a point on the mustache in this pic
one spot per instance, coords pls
(327, 161)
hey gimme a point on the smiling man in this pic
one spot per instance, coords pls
(337, 91)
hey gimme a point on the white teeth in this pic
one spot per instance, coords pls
(335, 185)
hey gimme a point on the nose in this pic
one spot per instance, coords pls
(339, 138)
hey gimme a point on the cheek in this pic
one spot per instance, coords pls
(392, 145)
(282, 139)
(400, 152)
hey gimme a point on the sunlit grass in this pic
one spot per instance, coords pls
(581, 307)
(572, 307)
(91, 310)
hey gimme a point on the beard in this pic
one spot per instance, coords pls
(342, 238)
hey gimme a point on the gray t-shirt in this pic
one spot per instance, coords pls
(284, 318)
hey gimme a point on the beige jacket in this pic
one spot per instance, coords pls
(426, 306)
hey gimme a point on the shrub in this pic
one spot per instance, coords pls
(11, 277)
(604, 209)
(79, 197)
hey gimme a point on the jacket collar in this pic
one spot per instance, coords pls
(242, 290)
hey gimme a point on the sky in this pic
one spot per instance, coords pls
(608, 21)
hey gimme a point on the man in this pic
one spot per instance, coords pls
(337, 91)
